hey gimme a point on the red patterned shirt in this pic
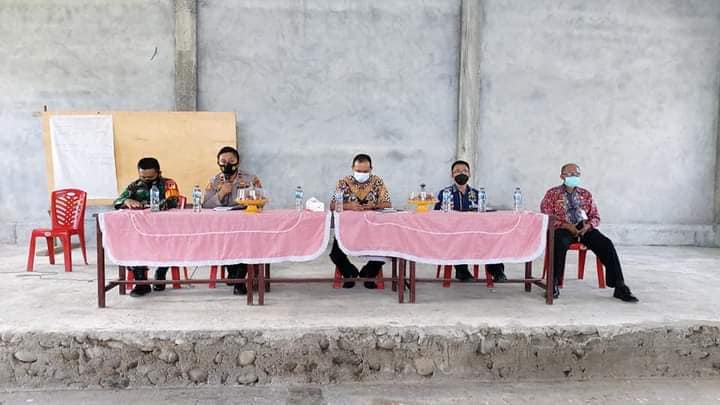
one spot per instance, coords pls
(556, 203)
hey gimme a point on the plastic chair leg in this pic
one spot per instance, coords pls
(447, 276)
(582, 255)
(600, 273)
(336, 278)
(175, 275)
(476, 271)
(379, 280)
(81, 235)
(213, 276)
(67, 252)
(31, 254)
(51, 248)
(489, 282)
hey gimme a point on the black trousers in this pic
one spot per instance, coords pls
(140, 272)
(236, 271)
(348, 269)
(599, 244)
(494, 269)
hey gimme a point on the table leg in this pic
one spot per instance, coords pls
(249, 283)
(412, 282)
(100, 265)
(401, 281)
(267, 276)
(528, 276)
(394, 274)
(122, 276)
(261, 283)
(550, 273)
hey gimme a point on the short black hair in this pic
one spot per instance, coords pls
(362, 157)
(459, 162)
(229, 149)
(147, 163)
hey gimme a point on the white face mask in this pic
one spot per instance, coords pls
(361, 177)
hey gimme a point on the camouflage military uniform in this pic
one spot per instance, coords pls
(139, 191)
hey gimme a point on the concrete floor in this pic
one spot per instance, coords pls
(677, 391)
(676, 285)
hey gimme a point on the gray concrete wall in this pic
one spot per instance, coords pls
(72, 55)
(315, 82)
(628, 89)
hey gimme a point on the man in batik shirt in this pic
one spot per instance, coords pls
(465, 198)
(222, 191)
(576, 218)
(137, 196)
(361, 191)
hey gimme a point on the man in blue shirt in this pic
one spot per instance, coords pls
(465, 198)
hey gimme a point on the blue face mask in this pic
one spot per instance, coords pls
(572, 181)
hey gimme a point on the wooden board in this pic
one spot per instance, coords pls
(185, 143)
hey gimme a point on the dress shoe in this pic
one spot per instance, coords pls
(370, 285)
(622, 292)
(140, 290)
(556, 291)
(499, 276)
(349, 284)
(239, 289)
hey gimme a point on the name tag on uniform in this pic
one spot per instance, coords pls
(583, 214)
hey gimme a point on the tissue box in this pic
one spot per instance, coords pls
(313, 204)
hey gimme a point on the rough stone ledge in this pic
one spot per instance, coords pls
(115, 360)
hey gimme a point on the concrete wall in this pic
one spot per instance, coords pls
(628, 89)
(72, 55)
(316, 82)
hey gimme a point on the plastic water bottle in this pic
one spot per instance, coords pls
(446, 201)
(299, 194)
(197, 199)
(482, 200)
(339, 196)
(517, 199)
(154, 199)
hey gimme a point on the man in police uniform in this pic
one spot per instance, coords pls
(222, 191)
(137, 196)
(465, 198)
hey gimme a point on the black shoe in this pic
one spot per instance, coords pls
(239, 289)
(622, 292)
(349, 284)
(463, 275)
(370, 285)
(556, 291)
(140, 290)
(499, 276)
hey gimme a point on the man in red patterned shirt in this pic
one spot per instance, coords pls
(576, 218)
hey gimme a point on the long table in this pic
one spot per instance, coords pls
(206, 238)
(186, 238)
(448, 238)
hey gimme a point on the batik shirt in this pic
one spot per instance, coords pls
(566, 207)
(139, 191)
(242, 181)
(461, 202)
(373, 191)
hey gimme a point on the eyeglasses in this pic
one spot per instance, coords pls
(463, 171)
(572, 174)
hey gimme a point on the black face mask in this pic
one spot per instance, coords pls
(462, 179)
(229, 169)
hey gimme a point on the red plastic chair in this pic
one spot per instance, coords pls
(379, 279)
(182, 200)
(447, 275)
(174, 276)
(214, 271)
(582, 254)
(67, 210)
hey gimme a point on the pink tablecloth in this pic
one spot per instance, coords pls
(444, 238)
(186, 238)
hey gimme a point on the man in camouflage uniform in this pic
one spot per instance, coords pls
(137, 196)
